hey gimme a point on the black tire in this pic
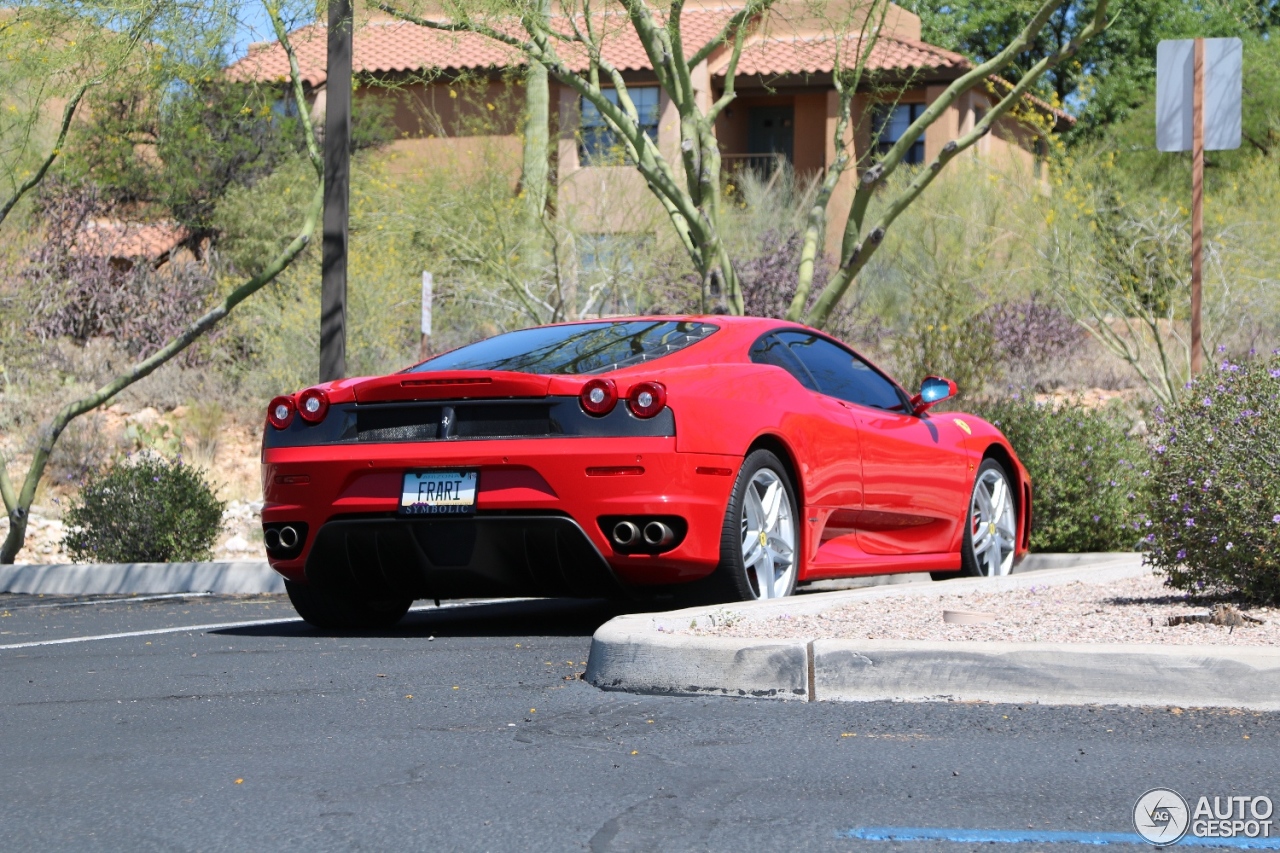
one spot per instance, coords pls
(732, 581)
(970, 565)
(332, 612)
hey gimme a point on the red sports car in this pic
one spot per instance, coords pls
(731, 456)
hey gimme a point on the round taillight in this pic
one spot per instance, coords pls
(280, 412)
(599, 396)
(647, 399)
(313, 405)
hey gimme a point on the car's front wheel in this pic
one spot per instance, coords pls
(759, 544)
(991, 535)
(325, 609)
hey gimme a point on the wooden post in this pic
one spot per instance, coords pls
(1197, 203)
(337, 185)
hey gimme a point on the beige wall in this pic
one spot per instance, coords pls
(467, 157)
(470, 138)
(428, 109)
(804, 17)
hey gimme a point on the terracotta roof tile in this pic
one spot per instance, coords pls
(384, 46)
(115, 239)
(774, 56)
(390, 46)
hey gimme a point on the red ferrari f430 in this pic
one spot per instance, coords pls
(727, 457)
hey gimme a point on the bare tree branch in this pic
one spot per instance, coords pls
(854, 257)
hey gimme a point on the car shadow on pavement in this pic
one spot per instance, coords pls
(548, 617)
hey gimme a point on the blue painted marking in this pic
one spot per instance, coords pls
(1028, 836)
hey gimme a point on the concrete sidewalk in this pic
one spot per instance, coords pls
(250, 576)
(643, 653)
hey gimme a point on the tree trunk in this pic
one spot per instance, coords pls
(537, 141)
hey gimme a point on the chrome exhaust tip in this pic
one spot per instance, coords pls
(288, 537)
(658, 535)
(271, 538)
(625, 533)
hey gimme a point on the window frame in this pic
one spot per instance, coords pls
(590, 136)
(882, 116)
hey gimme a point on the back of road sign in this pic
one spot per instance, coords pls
(1175, 76)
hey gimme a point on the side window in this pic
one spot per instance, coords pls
(770, 350)
(842, 374)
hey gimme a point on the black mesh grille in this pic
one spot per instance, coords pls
(504, 421)
(399, 423)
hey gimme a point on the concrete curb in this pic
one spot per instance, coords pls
(641, 653)
(254, 576)
(1046, 673)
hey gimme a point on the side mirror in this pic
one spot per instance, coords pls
(933, 390)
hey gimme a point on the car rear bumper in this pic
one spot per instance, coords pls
(537, 527)
(479, 556)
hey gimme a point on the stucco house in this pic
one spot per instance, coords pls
(786, 105)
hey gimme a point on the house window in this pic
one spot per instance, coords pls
(598, 145)
(890, 122)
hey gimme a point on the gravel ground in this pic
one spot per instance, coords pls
(1136, 610)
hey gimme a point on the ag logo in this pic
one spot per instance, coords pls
(1161, 816)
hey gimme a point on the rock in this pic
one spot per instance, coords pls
(144, 417)
(237, 543)
(1223, 614)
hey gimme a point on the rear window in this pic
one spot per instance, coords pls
(574, 349)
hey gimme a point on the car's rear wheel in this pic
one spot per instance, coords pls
(991, 535)
(325, 609)
(759, 544)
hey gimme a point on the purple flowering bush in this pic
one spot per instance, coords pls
(1086, 478)
(144, 510)
(1214, 510)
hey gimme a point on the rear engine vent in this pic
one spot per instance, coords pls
(418, 422)
(504, 421)
(399, 423)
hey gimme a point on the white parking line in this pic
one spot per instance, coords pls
(152, 632)
(218, 626)
(129, 600)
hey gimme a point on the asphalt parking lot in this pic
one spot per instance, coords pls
(467, 728)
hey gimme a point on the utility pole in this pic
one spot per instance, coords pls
(337, 191)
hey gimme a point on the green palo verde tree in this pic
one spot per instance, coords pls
(74, 74)
(690, 191)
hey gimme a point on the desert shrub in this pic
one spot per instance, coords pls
(1085, 471)
(1215, 499)
(144, 510)
(77, 290)
(1029, 335)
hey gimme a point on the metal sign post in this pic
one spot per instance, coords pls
(1197, 201)
(1198, 100)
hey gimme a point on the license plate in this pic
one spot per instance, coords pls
(438, 493)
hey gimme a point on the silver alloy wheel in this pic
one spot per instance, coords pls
(768, 535)
(993, 528)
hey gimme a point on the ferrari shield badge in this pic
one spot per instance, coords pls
(964, 426)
